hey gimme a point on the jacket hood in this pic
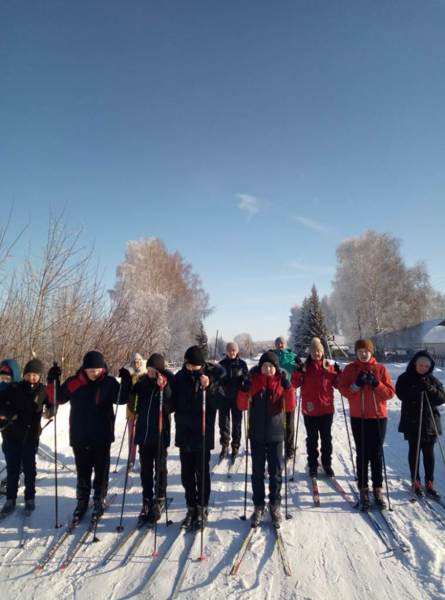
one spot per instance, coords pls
(411, 368)
(13, 365)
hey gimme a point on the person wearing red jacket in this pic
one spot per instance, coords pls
(367, 385)
(317, 378)
(267, 395)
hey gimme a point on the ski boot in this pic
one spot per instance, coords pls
(235, 451)
(364, 500)
(275, 514)
(190, 518)
(156, 510)
(80, 510)
(7, 508)
(3, 484)
(379, 498)
(145, 512)
(329, 471)
(224, 452)
(431, 491)
(313, 472)
(30, 506)
(202, 516)
(417, 488)
(290, 454)
(98, 508)
(257, 515)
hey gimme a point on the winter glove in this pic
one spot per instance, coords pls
(372, 380)
(246, 384)
(337, 368)
(362, 379)
(54, 373)
(285, 383)
(299, 364)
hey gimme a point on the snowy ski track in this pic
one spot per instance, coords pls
(333, 550)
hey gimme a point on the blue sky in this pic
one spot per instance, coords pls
(253, 137)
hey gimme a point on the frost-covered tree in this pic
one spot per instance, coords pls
(202, 340)
(246, 344)
(302, 336)
(373, 289)
(294, 319)
(315, 321)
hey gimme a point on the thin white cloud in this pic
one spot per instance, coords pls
(250, 204)
(305, 267)
(312, 224)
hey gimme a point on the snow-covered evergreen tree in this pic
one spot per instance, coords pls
(202, 340)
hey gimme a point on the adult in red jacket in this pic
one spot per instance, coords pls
(367, 385)
(267, 395)
(317, 378)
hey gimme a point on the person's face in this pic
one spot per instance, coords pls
(232, 353)
(4, 378)
(268, 369)
(280, 345)
(137, 363)
(363, 355)
(423, 365)
(93, 374)
(190, 367)
(32, 378)
(316, 354)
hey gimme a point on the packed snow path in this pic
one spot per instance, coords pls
(333, 550)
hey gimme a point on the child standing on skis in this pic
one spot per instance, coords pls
(367, 385)
(145, 404)
(267, 395)
(235, 369)
(287, 360)
(21, 407)
(136, 369)
(195, 377)
(420, 393)
(317, 378)
(91, 394)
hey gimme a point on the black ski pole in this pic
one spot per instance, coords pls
(127, 470)
(246, 437)
(296, 436)
(435, 426)
(379, 429)
(419, 435)
(286, 513)
(122, 443)
(56, 482)
(155, 552)
(364, 468)
(203, 471)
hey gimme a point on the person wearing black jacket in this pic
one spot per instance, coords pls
(91, 393)
(420, 393)
(195, 376)
(145, 405)
(235, 369)
(21, 407)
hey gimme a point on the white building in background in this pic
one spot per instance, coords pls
(434, 340)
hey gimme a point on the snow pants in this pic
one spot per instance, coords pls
(224, 425)
(192, 477)
(20, 454)
(427, 450)
(150, 467)
(369, 449)
(271, 452)
(89, 459)
(316, 426)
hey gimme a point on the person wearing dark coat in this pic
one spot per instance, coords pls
(187, 403)
(267, 395)
(21, 407)
(9, 373)
(92, 392)
(420, 393)
(236, 369)
(145, 405)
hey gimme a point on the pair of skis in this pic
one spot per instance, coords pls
(66, 535)
(139, 530)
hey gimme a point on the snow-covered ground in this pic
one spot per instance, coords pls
(333, 550)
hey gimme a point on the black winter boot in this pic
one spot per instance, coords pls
(275, 514)
(202, 516)
(364, 499)
(80, 510)
(145, 511)
(190, 518)
(7, 508)
(257, 515)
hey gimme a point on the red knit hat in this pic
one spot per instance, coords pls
(366, 344)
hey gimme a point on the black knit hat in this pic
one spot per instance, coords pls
(156, 361)
(33, 366)
(269, 357)
(93, 360)
(194, 356)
